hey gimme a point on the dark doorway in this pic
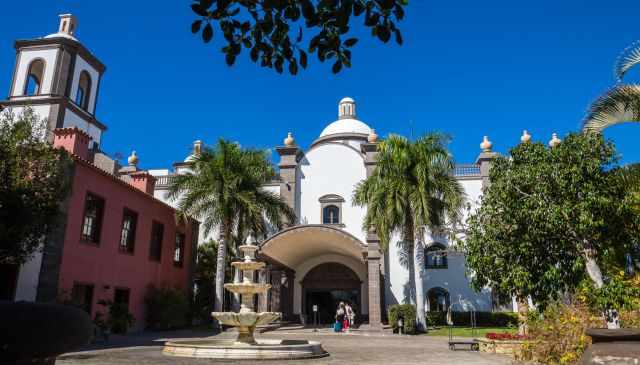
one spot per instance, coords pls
(327, 302)
(326, 285)
(8, 281)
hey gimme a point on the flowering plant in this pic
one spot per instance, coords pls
(505, 336)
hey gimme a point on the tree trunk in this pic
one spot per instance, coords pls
(220, 269)
(595, 274)
(593, 270)
(412, 276)
(418, 263)
(235, 305)
(523, 310)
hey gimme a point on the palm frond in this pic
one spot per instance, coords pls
(618, 105)
(629, 58)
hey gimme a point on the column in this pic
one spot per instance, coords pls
(290, 154)
(262, 298)
(373, 273)
(276, 289)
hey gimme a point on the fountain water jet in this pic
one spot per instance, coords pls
(245, 346)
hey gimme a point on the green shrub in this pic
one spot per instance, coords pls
(120, 319)
(167, 308)
(558, 335)
(407, 312)
(483, 319)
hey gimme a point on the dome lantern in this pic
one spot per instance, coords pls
(347, 109)
(347, 123)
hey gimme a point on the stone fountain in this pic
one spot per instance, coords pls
(245, 346)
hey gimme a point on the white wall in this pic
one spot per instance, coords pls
(71, 119)
(331, 168)
(49, 57)
(28, 279)
(453, 278)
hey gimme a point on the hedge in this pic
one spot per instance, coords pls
(167, 308)
(35, 333)
(407, 312)
(483, 319)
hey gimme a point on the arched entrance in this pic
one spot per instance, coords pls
(297, 256)
(328, 284)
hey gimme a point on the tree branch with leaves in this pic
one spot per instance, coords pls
(272, 31)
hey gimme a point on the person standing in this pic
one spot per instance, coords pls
(350, 315)
(340, 317)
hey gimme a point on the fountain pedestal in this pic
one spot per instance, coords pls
(245, 346)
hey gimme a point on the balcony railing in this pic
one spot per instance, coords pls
(462, 170)
(466, 170)
(164, 181)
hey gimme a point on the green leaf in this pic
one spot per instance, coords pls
(350, 42)
(199, 10)
(255, 52)
(230, 58)
(278, 64)
(195, 26)
(383, 33)
(398, 37)
(303, 59)
(206, 4)
(337, 67)
(293, 67)
(207, 33)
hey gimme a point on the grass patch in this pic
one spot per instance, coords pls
(467, 332)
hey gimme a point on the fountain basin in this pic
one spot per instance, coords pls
(247, 319)
(250, 265)
(264, 349)
(247, 288)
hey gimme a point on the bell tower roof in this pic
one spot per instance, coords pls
(67, 27)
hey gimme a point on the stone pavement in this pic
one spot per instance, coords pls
(354, 348)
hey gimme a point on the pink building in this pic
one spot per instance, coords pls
(117, 238)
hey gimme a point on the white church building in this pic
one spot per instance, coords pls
(325, 256)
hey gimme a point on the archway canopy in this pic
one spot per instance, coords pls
(294, 245)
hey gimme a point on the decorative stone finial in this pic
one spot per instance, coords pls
(486, 144)
(133, 159)
(197, 147)
(526, 137)
(555, 141)
(372, 137)
(347, 109)
(289, 141)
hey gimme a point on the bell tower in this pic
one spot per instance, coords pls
(59, 79)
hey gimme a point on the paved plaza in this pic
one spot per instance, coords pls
(355, 348)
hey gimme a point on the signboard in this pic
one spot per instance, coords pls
(315, 307)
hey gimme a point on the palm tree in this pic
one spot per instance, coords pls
(412, 190)
(224, 191)
(621, 103)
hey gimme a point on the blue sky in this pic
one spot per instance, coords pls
(469, 68)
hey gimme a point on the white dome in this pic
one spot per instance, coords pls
(346, 126)
(347, 121)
